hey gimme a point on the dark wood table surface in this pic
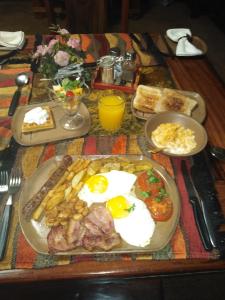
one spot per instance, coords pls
(190, 74)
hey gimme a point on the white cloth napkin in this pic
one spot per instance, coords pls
(11, 40)
(184, 47)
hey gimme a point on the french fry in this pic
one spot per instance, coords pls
(60, 188)
(63, 223)
(71, 197)
(94, 167)
(51, 223)
(77, 217)
(79, 204)
(78, 187)
(83, 165)
(40, 209)
(143, 167)
(55, 200)
(62, 179)
(64, 214)
(70, 176)
(85, 211)
(77, 178)
(74, 165)
(52, 214)
(67, 192)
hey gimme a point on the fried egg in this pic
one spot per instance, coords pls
(104, 186)
(132, 220)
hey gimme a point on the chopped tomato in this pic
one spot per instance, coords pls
(150, 183)
(142, 182)
(69, 94)
(160, 210)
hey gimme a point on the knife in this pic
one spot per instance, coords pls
(204, 184)
(198, 214)
(152, 49)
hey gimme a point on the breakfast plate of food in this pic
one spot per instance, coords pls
(150, 100)
(98, 204)
(40, 123)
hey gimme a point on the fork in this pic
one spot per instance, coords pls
(13, 186)
(3, 181)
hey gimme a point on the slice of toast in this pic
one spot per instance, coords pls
(173, 100)
(146, 98)
(33, 127)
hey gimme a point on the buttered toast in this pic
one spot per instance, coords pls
(155, 100)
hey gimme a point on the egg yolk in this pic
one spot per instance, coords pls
(97, 184)
(118, 207)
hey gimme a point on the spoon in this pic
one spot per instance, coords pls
(21, 80)
(218, 152)
(155, 150)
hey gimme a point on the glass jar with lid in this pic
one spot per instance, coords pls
(129, 67)
(107, 68)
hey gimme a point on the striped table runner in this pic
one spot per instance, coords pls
(7, 89)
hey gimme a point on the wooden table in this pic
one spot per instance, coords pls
(189, 74)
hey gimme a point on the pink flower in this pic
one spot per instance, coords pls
(41, 51)
(62, 58)
(51, 44)
(73, 43)
(63, 31)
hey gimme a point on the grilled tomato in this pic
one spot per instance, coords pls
(160, 210)
(151, 189)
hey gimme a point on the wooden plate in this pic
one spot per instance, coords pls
(36, 232)
(50, 135)
(198, 113)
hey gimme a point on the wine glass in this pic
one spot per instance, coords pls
(70, 102)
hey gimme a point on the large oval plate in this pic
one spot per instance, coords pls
(36, 232)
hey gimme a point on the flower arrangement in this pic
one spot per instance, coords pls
(58, 53)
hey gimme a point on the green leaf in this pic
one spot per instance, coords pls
(158, 199)
(162, 192)
(153, 179)
(131, 208)
(145, 194)
(150, 172)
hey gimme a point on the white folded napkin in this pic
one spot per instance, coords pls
(184, 47)
(11, 40)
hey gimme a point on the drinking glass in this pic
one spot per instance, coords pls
(111, 110)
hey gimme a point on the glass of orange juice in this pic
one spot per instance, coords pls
(111, 110)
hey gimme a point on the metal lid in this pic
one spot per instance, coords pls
(107, 61)
(115, 51)
(130, 55)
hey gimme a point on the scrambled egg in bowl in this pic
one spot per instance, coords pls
(174, 138)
